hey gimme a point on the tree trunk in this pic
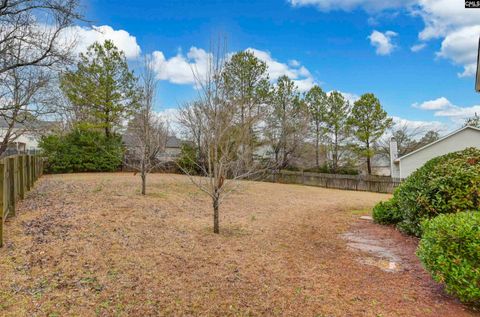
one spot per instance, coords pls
(3, 147)
(144, 183)
(369, 163)
(316, 149)
(143, 174)
(216, 220)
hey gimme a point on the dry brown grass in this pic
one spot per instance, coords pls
(90, 244)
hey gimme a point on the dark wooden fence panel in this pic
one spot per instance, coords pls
(348, 182)
(17, 175)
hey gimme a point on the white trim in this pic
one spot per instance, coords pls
(435, 142)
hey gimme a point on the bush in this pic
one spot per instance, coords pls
(446, 184)
(386, 212)
(326, 169)
(82, 151)
(187, 161)
(450, 251)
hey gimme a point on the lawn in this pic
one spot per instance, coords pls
(90, 244)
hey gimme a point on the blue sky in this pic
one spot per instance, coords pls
(354, 46)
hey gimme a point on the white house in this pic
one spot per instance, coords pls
(458, 140)
(25, 139)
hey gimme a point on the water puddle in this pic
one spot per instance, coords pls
(373, 252)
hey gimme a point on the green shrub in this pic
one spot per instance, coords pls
(386, 212)
(446, 184)
(450, 251)
(326, 169)
(82, 151)
(188, 160)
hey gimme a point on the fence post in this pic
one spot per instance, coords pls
(21, 176)
(27, 172)
(32, 164)
(36, 168)
(2, 197)
(34, 174)
(11, 185)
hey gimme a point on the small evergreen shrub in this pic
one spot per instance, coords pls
(82, 151)
(450, 251)
(386, 213)
(446, 184)
(187, 162)
(326, 169)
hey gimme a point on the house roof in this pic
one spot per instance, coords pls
(438, 141)
(173, 142)
(38, 124)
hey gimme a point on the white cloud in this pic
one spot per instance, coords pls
(294, 63)
(443, 16)
(181, 69)
(459, 29)
(415, 125)
(437, 104)
(304, 85)
(382, 42)
(460, 46)
(293, 69)
(418, 47)
(442, 107)
(276, 69)
(460, 113)
(85, 37)
(448, 20)
(349, 5)
(351, 98)
(170, 116)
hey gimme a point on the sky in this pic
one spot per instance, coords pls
(417, 56)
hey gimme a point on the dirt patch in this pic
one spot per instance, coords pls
(90, 244)
(379, 253)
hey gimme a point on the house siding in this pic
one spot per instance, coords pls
(459, 141)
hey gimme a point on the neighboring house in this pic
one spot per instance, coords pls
(173, 148)
(25, 140)
(380, 165)
(458, 140)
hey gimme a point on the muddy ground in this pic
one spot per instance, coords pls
(90, 244)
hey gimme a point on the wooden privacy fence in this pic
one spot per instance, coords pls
(348, 182)
(17, 176)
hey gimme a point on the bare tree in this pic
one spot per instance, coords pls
(212, 119)
(146, 134)
(26, 99)
(473, 121)
(191, 119)
(409, 138)
(32, 43)
(38, 27)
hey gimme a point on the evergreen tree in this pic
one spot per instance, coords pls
(316, 102)
(102, 87)
(246, 84)
(336, 125)
(286, 121)
(369, 122)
